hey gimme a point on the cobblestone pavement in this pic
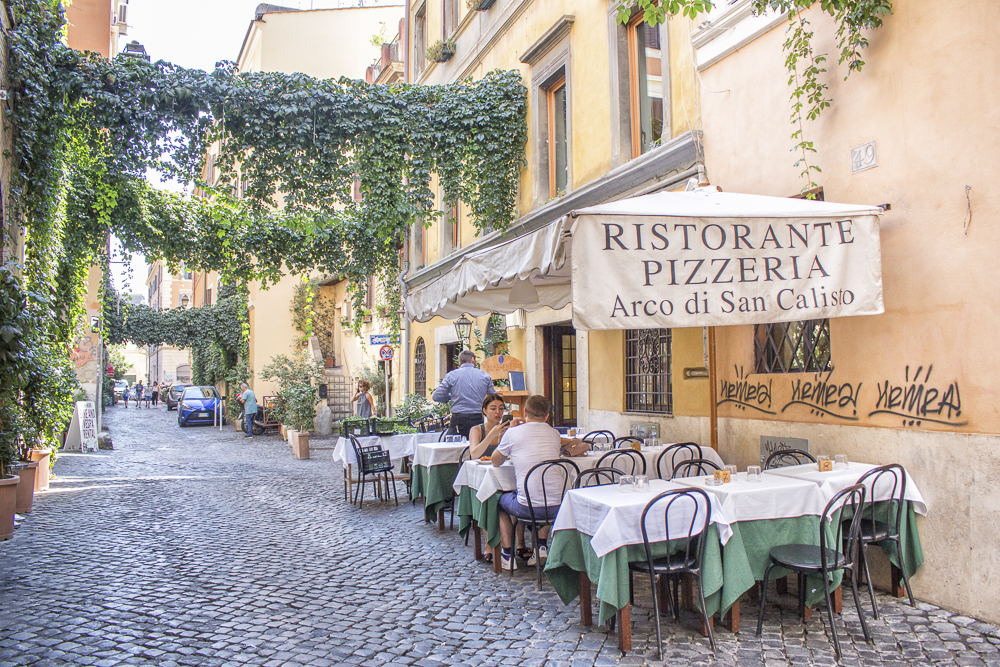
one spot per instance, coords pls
(194, 547)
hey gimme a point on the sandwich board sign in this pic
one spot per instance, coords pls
(82, 433)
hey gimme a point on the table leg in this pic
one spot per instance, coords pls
(663, 591)
(687, 593)
(895, 574)
(838, 603)
(496, 559)
(477, 541)
(586, 611)
(704, 630)
(781, 584)
(625, 629)
(441, 519)
(731, 621)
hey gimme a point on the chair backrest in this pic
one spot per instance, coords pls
(466, 455)
(597, 477)
(443, 435)
(877, 481)
(370, 459)
(556, 475)
(694, 468)
(629, 461)
(688, 535)
(788, 457)
(599, 436)
(848, 502)
(674, 454)
(625, 442)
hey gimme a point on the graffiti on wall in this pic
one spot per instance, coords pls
(825, 398)
(746, 394)
(85, 350)
(917, 400)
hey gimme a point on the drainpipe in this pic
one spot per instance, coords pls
(404, 342)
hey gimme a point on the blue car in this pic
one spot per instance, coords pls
(199, 405)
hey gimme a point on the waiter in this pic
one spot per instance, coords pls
(465, 387)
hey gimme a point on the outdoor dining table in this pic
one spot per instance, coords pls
(832, 482)
(435, 466)
(597, 534)
(478, 487)
(399, 446)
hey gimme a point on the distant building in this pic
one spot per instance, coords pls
(168, 290)
(96, 25)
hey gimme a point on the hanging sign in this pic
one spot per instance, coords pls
(644, 272)
(384, 339)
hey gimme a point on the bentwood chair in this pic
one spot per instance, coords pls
(604, 438)
(688, 551)
(557, 474)
(788, 457)
(694, 468)
(374, 467)
(674, 454)
(881, 521)
(625, 442)
(808, 559)
(629, 461)
(597, 477)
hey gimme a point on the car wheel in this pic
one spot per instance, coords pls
(179, 422)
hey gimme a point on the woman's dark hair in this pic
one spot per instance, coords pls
(489, 398)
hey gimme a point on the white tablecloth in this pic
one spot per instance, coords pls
(398, 446)
(612, 518)
(773, 497)
(438, 453)
(831, 483)
(485, 478)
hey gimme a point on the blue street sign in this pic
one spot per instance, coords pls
(383, 339)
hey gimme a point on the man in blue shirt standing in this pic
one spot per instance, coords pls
(465, 387)
(249, 408)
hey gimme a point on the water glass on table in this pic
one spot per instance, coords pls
(732, 472)
(840, 462)
(753, 474)
(626, 484)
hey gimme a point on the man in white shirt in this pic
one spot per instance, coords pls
(526, 445)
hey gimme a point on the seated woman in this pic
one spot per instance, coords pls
(483, 439)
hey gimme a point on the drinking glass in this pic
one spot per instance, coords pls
(656, 443)
(641, 484)
(647, 443)
(753, 474)
(626, 484)
(840, 461)
(732, 472)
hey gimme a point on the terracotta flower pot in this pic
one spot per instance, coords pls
(8, 501)
(42, 473)
(26, 487)
(301, 446)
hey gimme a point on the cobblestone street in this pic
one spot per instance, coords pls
(195, 547)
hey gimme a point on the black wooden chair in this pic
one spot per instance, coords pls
(625, 442)
(809, 559)
(563, 472)
(597, 477)
(374, 467)
(674, 454)
(603, 438)
(629, 461)
(788, 457)
(694, 468)
(688, 556)
(881, 521)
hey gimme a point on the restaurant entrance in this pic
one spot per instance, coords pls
(560, 372)
(451, 356)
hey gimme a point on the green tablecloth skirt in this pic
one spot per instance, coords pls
(434, 484)
(486, 515)
(571, 553)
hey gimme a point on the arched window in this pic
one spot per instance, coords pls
(420, 369)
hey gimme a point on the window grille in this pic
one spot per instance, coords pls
(792, 347)
(420, 368)
(338, 396)
(648, 385)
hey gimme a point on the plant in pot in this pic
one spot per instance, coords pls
(301, 401)
(297, 376)
(441, 51)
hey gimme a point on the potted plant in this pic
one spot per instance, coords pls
(441, 51)
(297, 379)
(301, 399)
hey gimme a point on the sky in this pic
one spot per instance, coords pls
(196, 34)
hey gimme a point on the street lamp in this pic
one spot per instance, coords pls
(463, 327)
(135, 50)
(185, 299)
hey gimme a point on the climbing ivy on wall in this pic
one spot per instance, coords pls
(804, 65)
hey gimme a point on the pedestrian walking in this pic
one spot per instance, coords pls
(125, 395)
(139, 389)
(156, 393)
(249, 400)
(148, 396)
(366, 407)
(465, 387)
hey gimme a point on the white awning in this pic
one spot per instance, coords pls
(482, 281)
(708, 258)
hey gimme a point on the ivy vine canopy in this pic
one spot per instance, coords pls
(523, 269)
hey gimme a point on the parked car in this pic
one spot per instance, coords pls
(120, 387)
(199, 405)
(173, 395)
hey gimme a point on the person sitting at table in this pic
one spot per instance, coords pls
(527, 444)
(483, 439)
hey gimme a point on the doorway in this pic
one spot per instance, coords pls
(559, 361)
(451, 356)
